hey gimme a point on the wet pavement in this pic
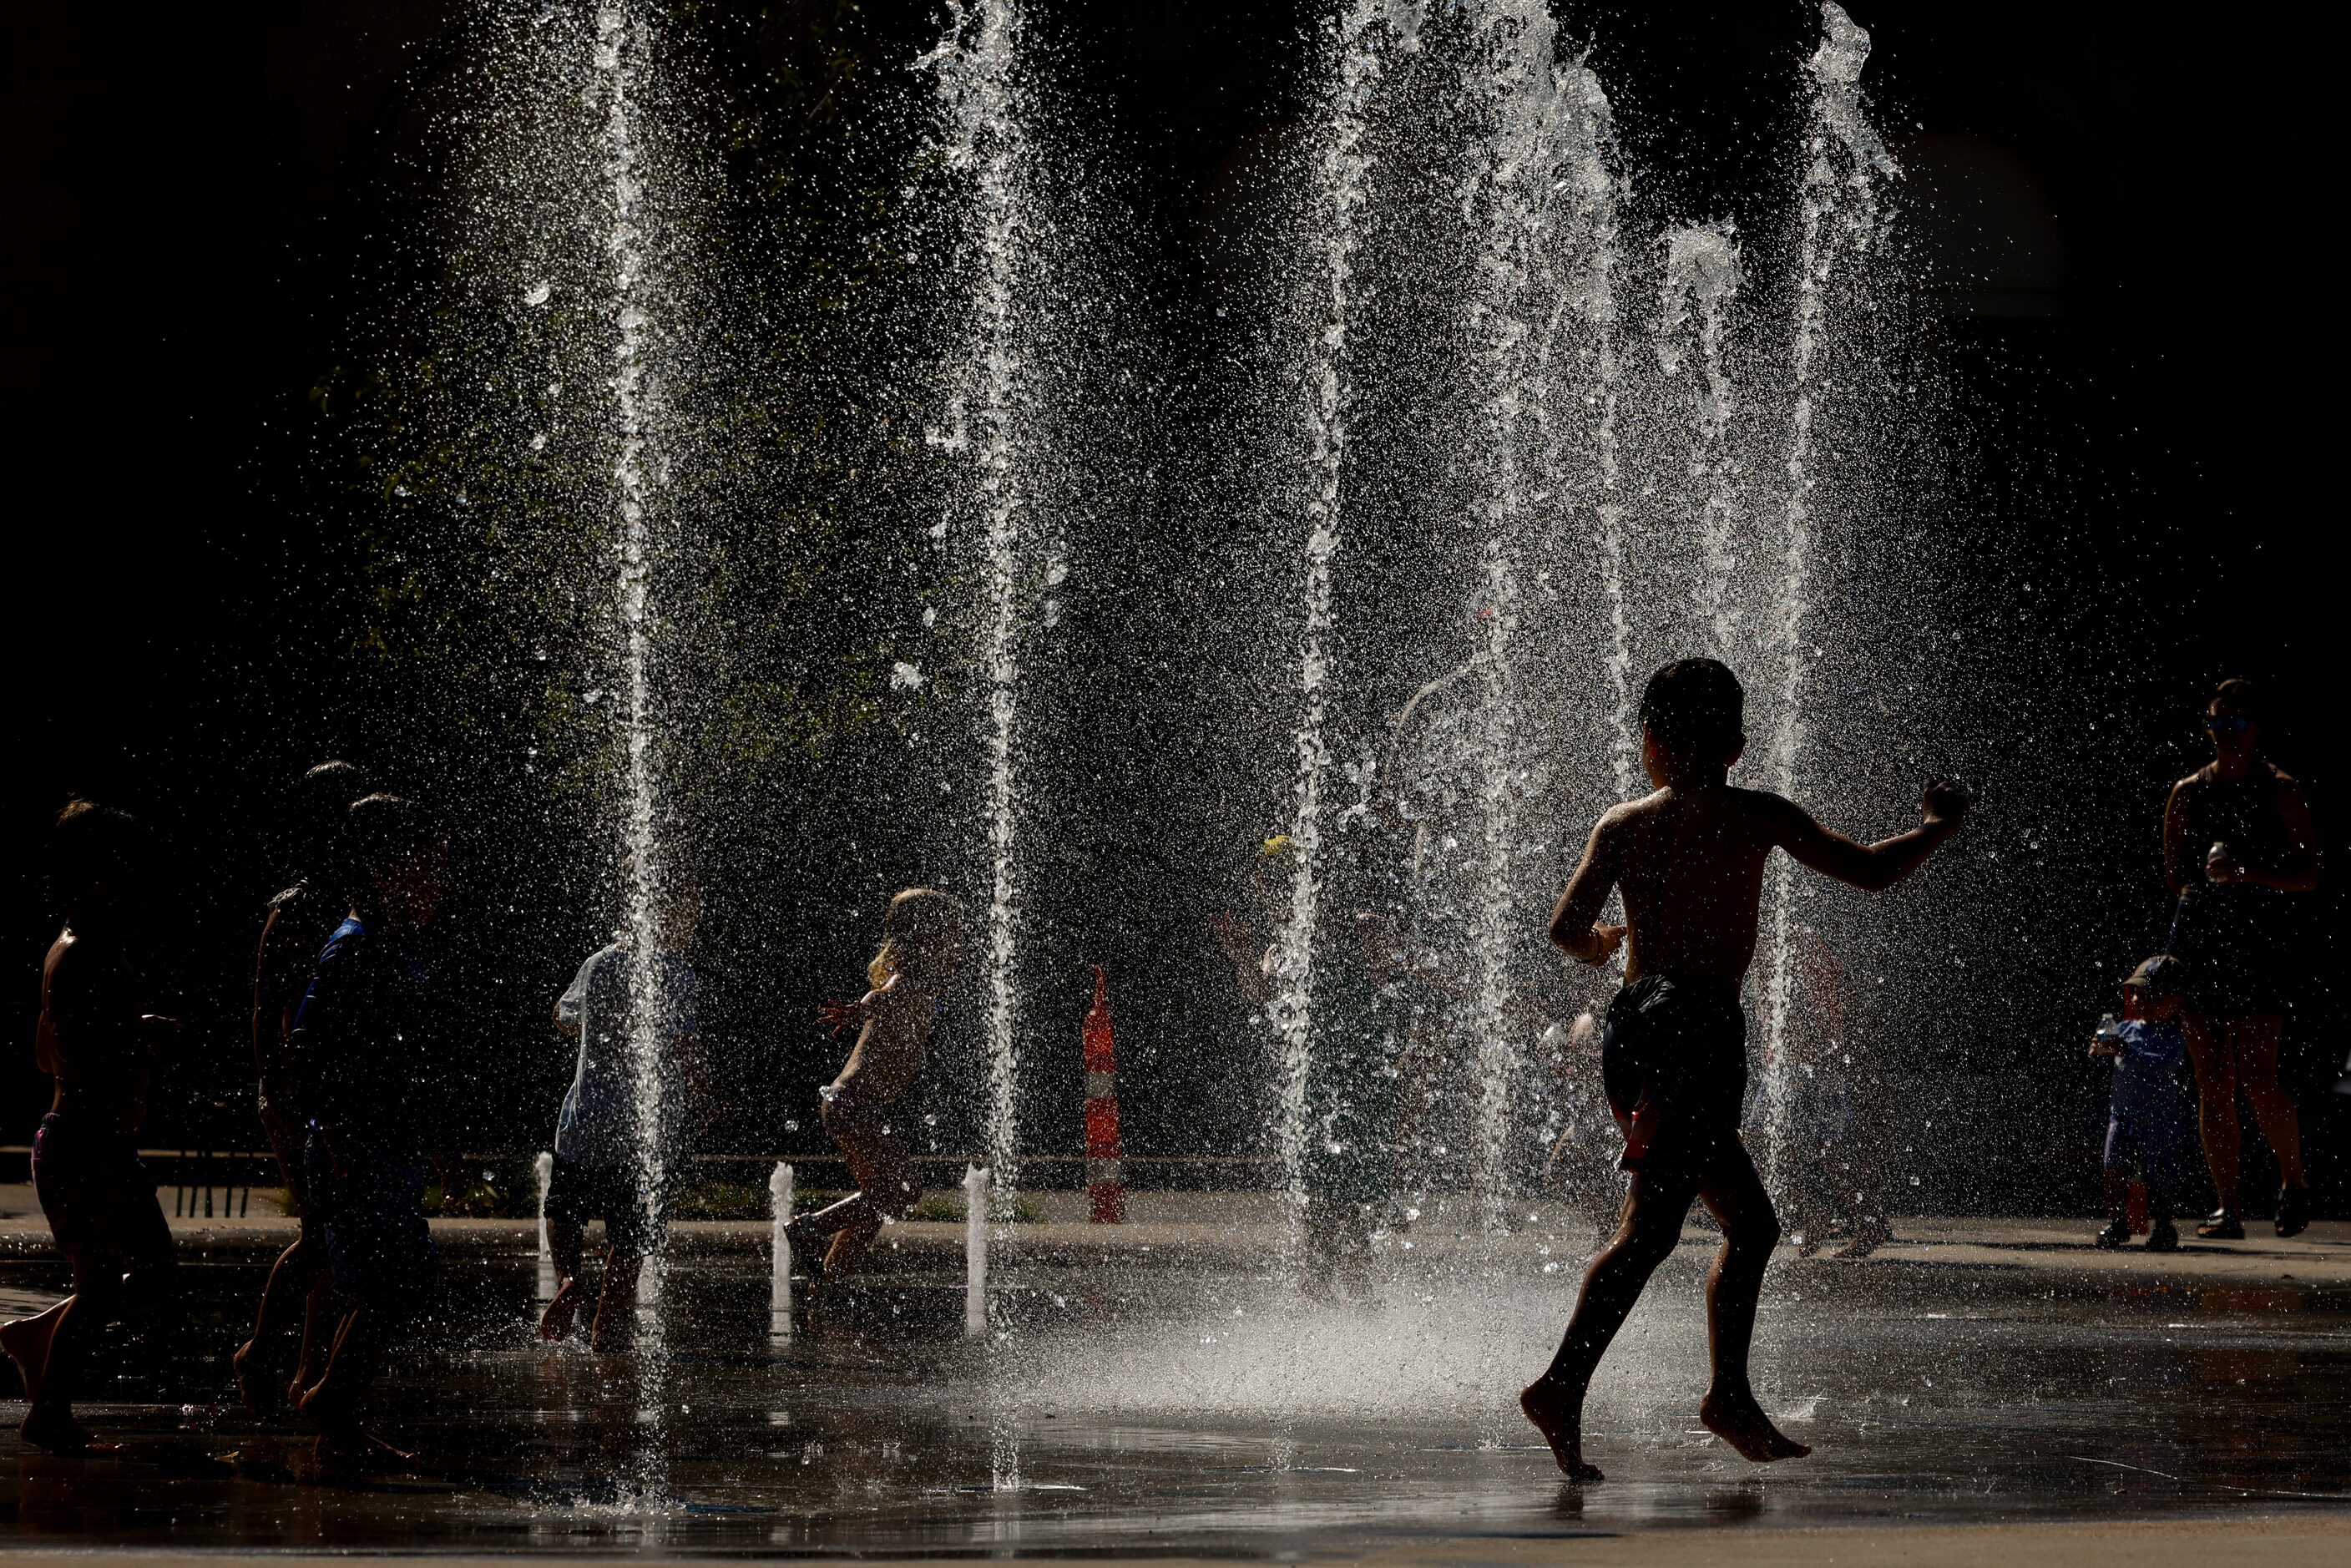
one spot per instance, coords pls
(1174, 1410)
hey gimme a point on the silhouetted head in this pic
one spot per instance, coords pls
(315, 810)
(398, 857)
(921, 937)
(99, 865)
(2158, 987)
(1693, 721)
(2233, 719)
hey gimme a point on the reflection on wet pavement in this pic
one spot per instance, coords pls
(1188, 1412)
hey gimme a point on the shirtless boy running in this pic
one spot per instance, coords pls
(1689, 860)
(921, 937)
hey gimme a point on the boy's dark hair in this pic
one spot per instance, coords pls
(318, 811)
(92, 843)
(381, 830)
(1696, 708)
(2241, 697)
(322, 797)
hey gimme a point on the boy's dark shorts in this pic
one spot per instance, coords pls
(1672, 1061)
(378, 1246)
(98, 1194)
(578, 1193)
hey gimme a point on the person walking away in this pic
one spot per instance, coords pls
(601, 1172)
(922, 940)
(2237, 838)
(2143, 1115)
(370, 1069)
(296, 926)
(97, 1037)
(1689, 860)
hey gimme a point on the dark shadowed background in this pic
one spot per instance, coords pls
(2118, 214)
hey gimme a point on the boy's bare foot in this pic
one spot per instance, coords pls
(27, 1340)
(1740, 1422)
(254, 1384)
(1559, 1416)
(351, 1449)
(55, 1432)
(556, 1322)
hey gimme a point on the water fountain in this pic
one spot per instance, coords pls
(779, 1253)
(1843, 161)
(981, 140)
(1364, 31)
(1702, 280)
(543, 1168)
(1611, 509)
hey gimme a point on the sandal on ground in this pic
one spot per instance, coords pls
(2115, 1234)
(2222, 1227)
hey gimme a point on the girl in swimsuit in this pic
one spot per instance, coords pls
(922, 939)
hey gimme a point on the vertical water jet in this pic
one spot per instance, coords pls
(1510, 59)
(1702, 277)
(982, 139)
(1837, 222)
(1340, 171)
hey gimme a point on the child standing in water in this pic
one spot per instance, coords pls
(599, 1172)
(370, 1070)
(98, 1039)
(2143, 1120)
(299, 922)
(922, 939)
(1689, 860)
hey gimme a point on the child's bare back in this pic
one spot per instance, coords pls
(1689, 860)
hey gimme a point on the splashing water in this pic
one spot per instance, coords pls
(1342, 171)
(1511, 66)
(980, 121)
(1702, 277)
(617, 44)
(1589, 149)
(1838, 222)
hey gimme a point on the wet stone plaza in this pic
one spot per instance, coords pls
(1187, 1407)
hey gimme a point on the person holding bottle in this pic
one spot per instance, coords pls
(2237, 838)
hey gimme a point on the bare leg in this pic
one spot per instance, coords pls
(885, 1191)
(566, 1241)
(853, 1236)
(2216, 1102)
(27, 1340)
(1647, 1233)
(318, 1314)
(2254, 1044)
(616, 1305)
(292, 1277)
(1750, 1231)
(333, 1401)
(104, 1291)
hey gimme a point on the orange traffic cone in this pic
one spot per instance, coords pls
(1105, 1181)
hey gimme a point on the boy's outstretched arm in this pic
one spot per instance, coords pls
(1876, 867)
(1574, 924)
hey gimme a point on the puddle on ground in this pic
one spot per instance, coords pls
(1170, 1410)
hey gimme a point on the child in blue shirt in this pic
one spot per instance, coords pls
(2143, 1125)
(603, 1167)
